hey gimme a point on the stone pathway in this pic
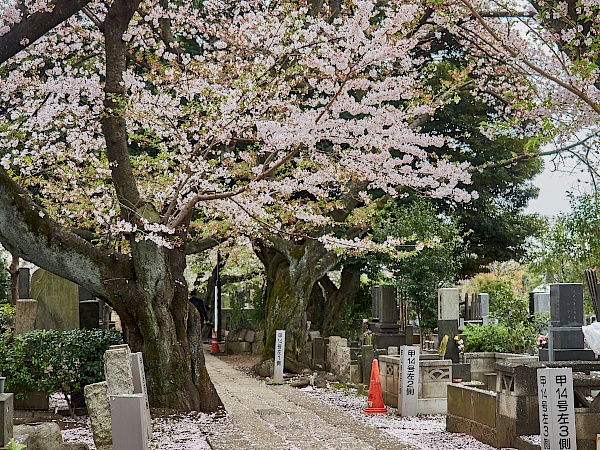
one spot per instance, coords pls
(270, 417)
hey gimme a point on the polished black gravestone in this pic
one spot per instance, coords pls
(566, 320)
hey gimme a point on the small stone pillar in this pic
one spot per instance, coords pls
(25, 314)
(96, 399)
(6, 418)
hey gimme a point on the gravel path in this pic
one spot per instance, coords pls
(281, 417)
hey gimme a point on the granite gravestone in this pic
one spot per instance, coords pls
(448, 315)
(25, 315)
(58, 301)
(24, 283)
(566, 320)
(384, 317)
(539, 303)
(484, 302)
(6, 418)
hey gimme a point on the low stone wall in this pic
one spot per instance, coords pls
(472, 411)
(484, 363)
(434, 377)
(515, 405)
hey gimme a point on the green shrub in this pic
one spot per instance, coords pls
(498, 338)
(53, 360)
(7, 316)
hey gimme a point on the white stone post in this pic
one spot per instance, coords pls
(408, 381)
(556, 408)
(139, 387)
(279, 357)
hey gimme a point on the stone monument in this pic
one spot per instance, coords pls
(566, 320)
(448, 314)
(58, 301)
(384, 318)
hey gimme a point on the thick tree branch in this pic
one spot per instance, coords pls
(192, 248)
(113, 123)
(26, 231)
(34, 26)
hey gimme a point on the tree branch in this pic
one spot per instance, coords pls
(113, 123)
(34, 26)
(27, 232)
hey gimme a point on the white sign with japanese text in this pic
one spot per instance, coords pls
(279, 356)
(408, 381)
(556, 408)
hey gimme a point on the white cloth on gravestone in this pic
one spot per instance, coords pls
(592, 336)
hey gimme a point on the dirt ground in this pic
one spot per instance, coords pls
(243, 362)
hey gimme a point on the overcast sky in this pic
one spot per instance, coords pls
(553, 190)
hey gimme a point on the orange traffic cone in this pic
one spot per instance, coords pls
(375, 398)
(215, 345)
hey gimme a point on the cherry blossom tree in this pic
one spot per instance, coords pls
(134, 132)
(556, 44)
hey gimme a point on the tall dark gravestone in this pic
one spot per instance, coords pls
(566, 320)
(384, 317)
(24, 283)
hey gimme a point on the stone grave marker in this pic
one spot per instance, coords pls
(408, 381)
(484, 302)
(539, 302)
(448, 314)
(384, 308)
(24, 279)
(119, 382)
(98, 406)
(6, 418)
(89, 314)
(118, 370)
(129, 427)
(139, 387)
(279, 357)
(566, 320)
(58, 301)
(318, 348)
(25, 315)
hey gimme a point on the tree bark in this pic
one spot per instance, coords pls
(33, 26)
(291, 272)
(146, 287)
(336, 299)
(13, 270)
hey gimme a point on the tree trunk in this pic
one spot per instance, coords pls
(13, 270)
(337, 299)
(290, 277)
(152, 302)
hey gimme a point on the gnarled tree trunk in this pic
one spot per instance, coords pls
(291, 272)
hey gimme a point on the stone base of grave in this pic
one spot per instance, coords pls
(568, 355)
(385, 340)
(461, 371)
(472, 411)
(33, 401)
(482, 433)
